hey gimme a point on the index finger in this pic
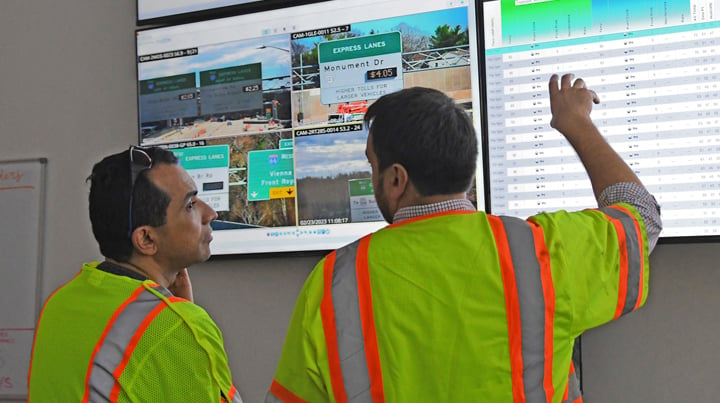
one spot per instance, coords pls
(566, 80)
(553, 84)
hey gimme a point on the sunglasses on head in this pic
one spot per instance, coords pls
(139, 161)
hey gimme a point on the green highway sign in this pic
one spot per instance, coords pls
(247, 72)
(208, 166)
(168, 84)
(360, 187)
(166, 98)
(359, 47)
(270, 174)
(204, 157)
(231, 89)
(360, 68)
(363, 206)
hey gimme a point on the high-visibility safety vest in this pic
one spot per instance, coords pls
(111, 338)
(462, 307)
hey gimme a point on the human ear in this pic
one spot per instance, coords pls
(396, 181)
(143, 240)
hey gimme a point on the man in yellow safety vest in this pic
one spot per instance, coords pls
(126, 329)
(448, 304)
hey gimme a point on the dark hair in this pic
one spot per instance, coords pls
(110, 198)
(426, 132)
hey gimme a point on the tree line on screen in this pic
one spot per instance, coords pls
(326, 197)
(266, 213)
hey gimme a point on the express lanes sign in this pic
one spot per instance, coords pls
(360, 68)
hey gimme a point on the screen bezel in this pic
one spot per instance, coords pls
(216, 12)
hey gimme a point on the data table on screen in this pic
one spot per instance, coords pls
(659, 109)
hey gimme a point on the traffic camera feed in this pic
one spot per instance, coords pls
(270, 125)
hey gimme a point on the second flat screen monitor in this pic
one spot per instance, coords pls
(656, 69)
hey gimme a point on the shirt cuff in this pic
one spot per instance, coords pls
(637, 196)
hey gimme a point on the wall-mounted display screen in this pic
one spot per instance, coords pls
(265, 110)
(149, 9)
(656, 68)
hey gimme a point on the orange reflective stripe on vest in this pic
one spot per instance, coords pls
(512, 308)
(349, 325)
(631, 259)
(118, 342)
(280, 394)
(530, 305)
(330, 329)
(233, 396)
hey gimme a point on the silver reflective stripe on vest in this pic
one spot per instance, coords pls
(116, 341)
(532, 305)
(351, 345)
(271, 398)
(573, 388)
(634, 255)
(236, 398)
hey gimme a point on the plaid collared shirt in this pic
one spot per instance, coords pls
(425, 209)
(626, 192)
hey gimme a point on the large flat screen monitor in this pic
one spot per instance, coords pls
(656, 68)
(152, 12)
(157, 9)
(265, 110)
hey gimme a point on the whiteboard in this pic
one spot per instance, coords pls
(22, 206)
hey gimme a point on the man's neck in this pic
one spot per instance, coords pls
(114, 268)
(145, 269)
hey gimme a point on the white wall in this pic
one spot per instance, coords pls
(67, 92)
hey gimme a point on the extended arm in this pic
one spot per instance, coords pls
(612, 179)
(571, 104)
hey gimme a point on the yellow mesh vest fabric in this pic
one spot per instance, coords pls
(439, 307)
(180, 356)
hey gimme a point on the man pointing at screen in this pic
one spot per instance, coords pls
(448, 304)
